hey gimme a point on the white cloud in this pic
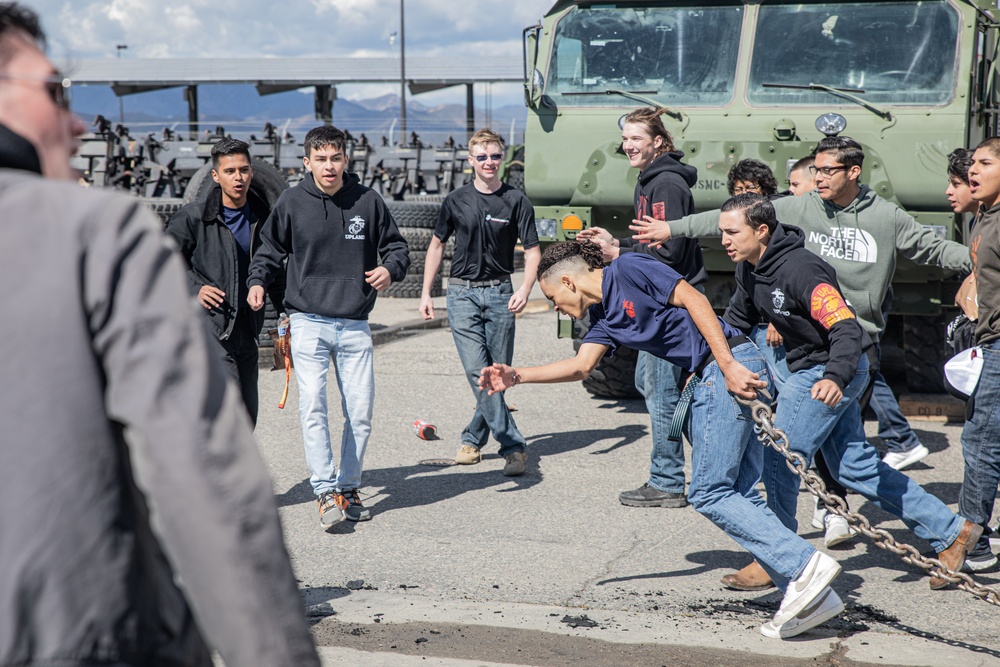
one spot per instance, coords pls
(216, 28)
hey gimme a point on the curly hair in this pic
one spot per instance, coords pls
(753, 171)
(959, 161)
(649, 118)
(586, 254)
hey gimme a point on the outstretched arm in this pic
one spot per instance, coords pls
(500, 377)
(739, 379)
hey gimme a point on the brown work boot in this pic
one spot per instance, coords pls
(751, 578)
(954, 556)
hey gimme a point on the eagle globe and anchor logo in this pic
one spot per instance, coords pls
(356, 229)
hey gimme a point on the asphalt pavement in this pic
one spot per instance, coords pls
(461, 566)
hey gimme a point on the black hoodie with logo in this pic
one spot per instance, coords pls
(663, 191)
(798, 293)
(330, 242)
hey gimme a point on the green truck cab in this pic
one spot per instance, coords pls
(910, 80)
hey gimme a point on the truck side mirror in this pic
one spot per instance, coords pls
(533, 90)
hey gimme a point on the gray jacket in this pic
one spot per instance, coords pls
(139, 523)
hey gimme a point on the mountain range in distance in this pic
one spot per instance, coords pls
(240, 109)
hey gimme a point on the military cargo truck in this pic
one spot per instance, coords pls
(910, 80)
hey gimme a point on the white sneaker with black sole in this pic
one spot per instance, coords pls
(901, 460)
(826, 606)
(801, 591)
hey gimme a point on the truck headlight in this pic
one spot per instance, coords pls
(546, 227)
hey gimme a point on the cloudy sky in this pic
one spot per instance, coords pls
(234, 28)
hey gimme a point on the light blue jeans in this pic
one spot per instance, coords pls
(315, 339)
(838, 431)
(483, 329)
(725, 469)
(656, 379)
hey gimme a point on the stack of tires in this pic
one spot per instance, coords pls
(416, 221)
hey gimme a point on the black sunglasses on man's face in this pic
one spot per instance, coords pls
(496, 157)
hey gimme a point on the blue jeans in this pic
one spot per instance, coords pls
(811, 426)
(981, 443)
(725, 469)
(657, 379)
(483, 329)
(893, 428)
(774, 356)
(314, 339)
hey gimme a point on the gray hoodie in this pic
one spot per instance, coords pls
(139, 524)
(859, 240)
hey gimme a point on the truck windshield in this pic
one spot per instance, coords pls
(675, 55)
(893, 52)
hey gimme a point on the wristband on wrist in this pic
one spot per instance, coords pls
(516, 379)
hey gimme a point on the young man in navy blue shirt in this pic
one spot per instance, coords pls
(818, 409)
(644, 304)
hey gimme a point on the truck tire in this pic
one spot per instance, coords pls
(164, 207)
(268, 182)
(420, 214)
(417, 238)
(410, 287)
(614, 377)
(923, 351)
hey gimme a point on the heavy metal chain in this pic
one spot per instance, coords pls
(772, 436)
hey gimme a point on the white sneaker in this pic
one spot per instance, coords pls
(827, 605)
(901, 460)
(837, 530)
(819, 572)
(819, 514)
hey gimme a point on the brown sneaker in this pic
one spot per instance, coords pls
(515, 464)
(330, 511)
(751, 578)
(468, 455)
(954, 556)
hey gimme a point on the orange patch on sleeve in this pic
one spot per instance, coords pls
(828, 307)
(660, 210)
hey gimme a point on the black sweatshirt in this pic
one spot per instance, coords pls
(798, 293)
(330, 241)
(663, 191)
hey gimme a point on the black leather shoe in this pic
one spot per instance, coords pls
(647, 496)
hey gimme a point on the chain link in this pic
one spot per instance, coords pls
(772, 436)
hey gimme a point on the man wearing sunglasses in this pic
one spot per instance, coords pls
(487, 217)
(855, 231)
(141, 526)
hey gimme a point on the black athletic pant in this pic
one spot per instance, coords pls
(239, 354)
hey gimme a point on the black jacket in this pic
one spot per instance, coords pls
(663, 191)
(211, 253)
(330, 243)
(798, 292)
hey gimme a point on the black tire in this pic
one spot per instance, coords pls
(411, 286)
(267, 184)
(164, 207)
(923, 352)
(614, 377)
(424, 198)
(420, 214)
(416, 238)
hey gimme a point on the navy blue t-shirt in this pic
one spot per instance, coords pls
(636, 313)
(238, 221)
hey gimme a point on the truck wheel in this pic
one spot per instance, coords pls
(422, 214)
(923, 350)
(164, 207)
(613, 377)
